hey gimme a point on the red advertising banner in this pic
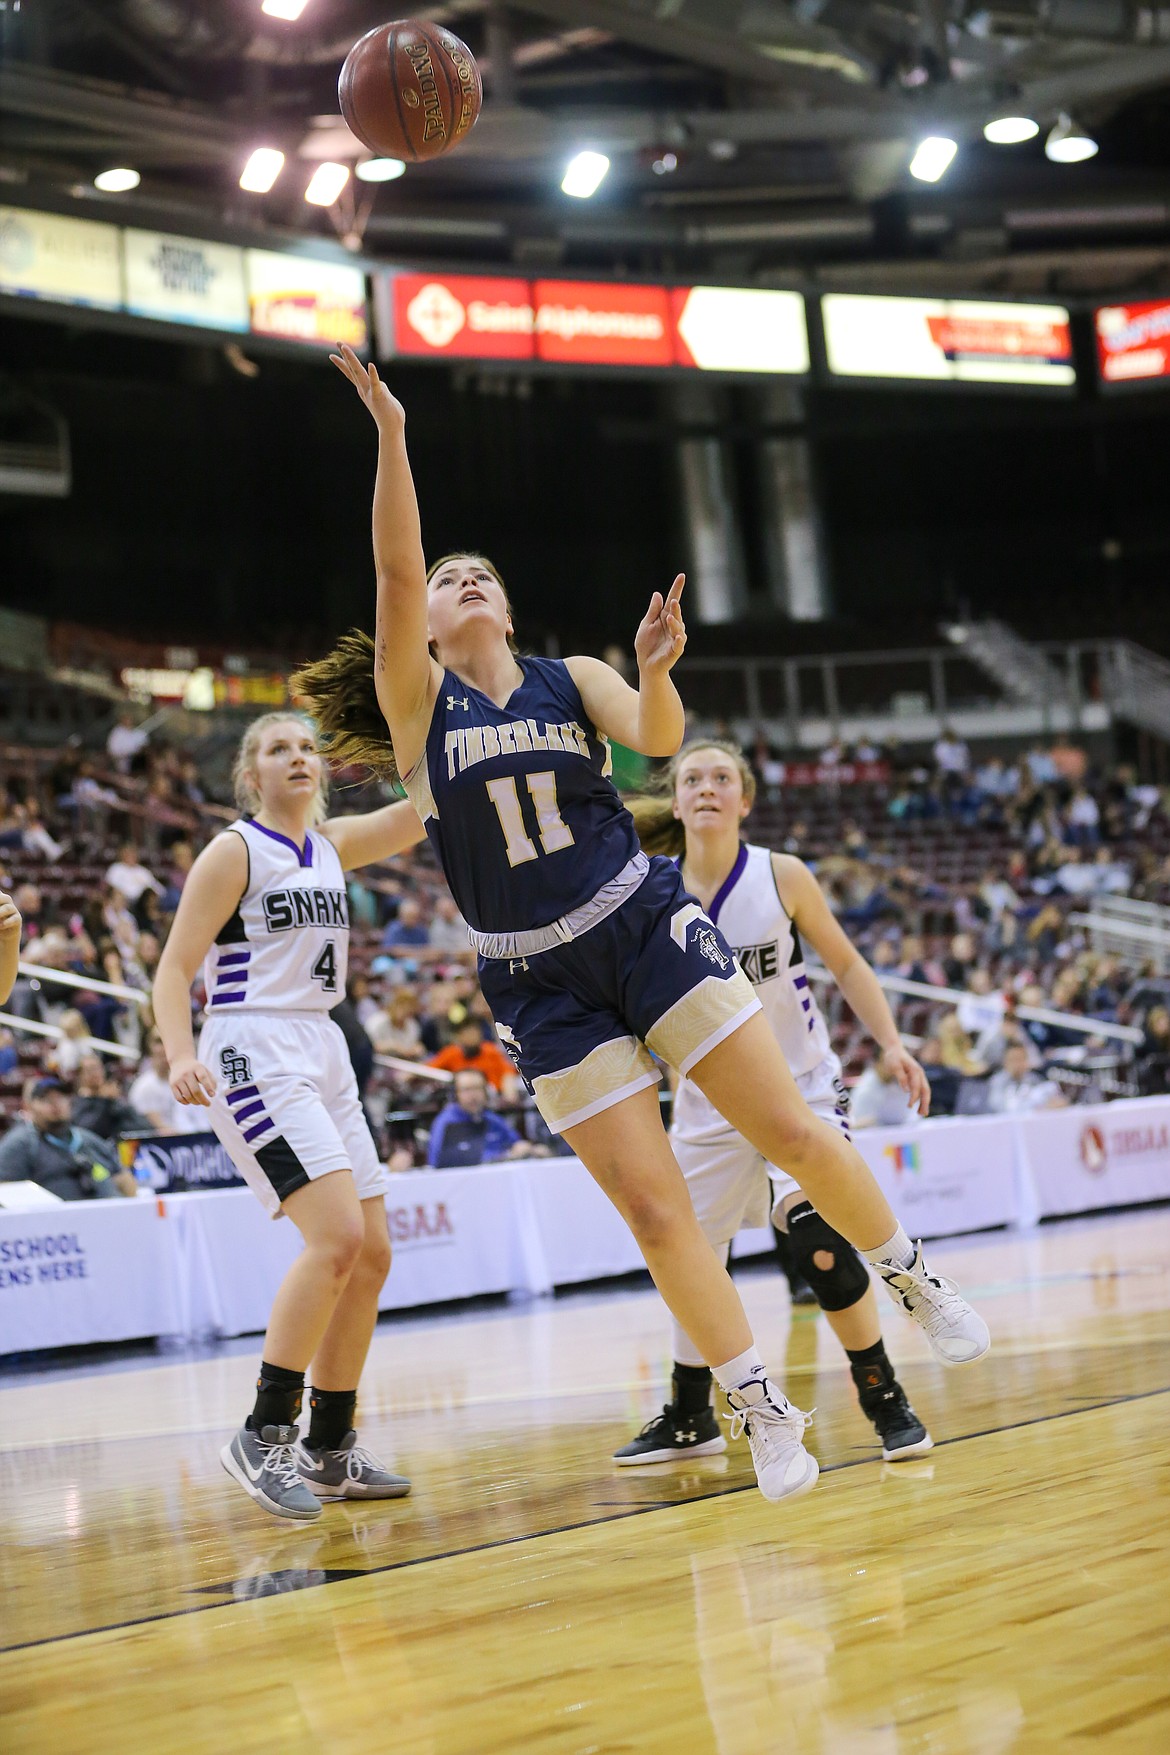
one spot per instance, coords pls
(1133, 341)
(462, 316)
(993, 337)
(833, 773)
(593, 323)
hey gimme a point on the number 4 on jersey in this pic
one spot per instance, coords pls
(324, 969)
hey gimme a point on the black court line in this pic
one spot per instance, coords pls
(563, 1529)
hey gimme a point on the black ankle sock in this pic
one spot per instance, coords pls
(870, 1366)
(330, 1417)
(692, 1388)
(278, 1397)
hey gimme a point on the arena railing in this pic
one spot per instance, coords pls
(953, 996)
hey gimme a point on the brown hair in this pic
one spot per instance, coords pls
(244, 786)
(659, 830)
(338, 692)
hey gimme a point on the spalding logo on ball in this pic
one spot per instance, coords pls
(410, 90)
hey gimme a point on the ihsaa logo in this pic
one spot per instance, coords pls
(1094, 1152)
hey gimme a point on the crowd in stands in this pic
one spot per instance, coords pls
(949, 870)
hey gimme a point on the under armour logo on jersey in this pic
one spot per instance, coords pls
(454, 701)
(517, 963)
(235, 1067)
(706, 939)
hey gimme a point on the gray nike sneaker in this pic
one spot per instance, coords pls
(349, 1472)
(264, 1463)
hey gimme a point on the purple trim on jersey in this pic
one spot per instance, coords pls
(800, 981)
(254, 1133)
(234, 957)
(241, 1091)
(232, 997)
(304, 854)
(728, 884)
(256, 1108)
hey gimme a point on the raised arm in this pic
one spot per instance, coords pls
(405, 675)
(805, 902)
(375, 835)
(211, 894)
(650, 718)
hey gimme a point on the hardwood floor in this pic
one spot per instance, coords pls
(1009, 1591)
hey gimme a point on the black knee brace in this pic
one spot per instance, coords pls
(840, 1286)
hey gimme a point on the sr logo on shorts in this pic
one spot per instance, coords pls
(235, 1067)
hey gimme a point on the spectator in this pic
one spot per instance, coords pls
(65, 1160)
(129, 877)
(1016, 1089)
(1083, 818)
(471, 1050)
(395, 1029)
(448, 929)
(878, 1100)
(980, 1009)
(466, 1131)
(99, 1106)
(1153, 1062)
(9, 1054)
(66, 1054)
(951, 754)
(957, 1049)
(943, 1080)
(126, 742)
(407, 931)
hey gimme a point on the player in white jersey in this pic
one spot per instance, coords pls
(764, 903)
(265, 911)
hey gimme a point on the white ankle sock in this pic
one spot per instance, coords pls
(740, 1369)
(898, 1252)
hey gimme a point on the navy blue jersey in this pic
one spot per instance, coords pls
(517, 800)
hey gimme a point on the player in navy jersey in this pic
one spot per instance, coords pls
(265, 911)
(591, 953)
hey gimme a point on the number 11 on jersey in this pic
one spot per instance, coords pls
(552, 828)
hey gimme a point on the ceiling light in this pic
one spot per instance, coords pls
(326, 183)
(1068, 144)
(380, 170)
(585, 174)
(932, 157)
(288, 9)
(664, 164)
(1010, 130)
(262, 170)
(117, 181)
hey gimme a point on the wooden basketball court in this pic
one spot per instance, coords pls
(1007, 1592)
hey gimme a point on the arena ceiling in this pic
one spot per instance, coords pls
(752, 137)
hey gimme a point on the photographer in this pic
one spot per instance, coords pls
(68, 1161)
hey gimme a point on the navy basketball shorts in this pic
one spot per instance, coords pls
(577, 1020)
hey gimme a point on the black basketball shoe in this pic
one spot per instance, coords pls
(674, 1434)
(898, 1426)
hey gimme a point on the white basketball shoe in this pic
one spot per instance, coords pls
(775, 1431)
(957, 1334)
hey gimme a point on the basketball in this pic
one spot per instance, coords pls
(410, 90)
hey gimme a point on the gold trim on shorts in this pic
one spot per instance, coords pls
(607, 1075)
(701, 1019)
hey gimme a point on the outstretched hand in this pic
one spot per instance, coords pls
(385, 408)
(192, 1082)
(662, 635)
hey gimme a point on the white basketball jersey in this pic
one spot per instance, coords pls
(749, 913)
(286, 947)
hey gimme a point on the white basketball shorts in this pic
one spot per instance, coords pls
(731, 1184)
(286, 1107)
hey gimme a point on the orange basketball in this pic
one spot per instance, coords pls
(410, 90)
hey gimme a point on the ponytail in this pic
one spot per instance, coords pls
(338, 692)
